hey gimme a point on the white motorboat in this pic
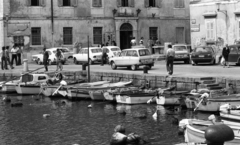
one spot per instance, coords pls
(9, 87)
(171, 98)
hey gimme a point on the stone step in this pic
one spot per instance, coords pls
(215, 88)
(206, 78)
(208, 82)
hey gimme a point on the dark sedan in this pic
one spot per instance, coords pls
(234, 55)
(203, 54)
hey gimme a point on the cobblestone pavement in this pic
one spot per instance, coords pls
(180, 69)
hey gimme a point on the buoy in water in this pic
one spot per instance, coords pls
(118, 139)
(46, 115)
(120, 128)
(90, 106)
(6, 99)
(17, 104)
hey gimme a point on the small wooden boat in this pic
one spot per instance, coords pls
(98, 94)
(31, 83)
(230, 112)
(195, 130)
(135, 97)
(171, 98)
(9, 87)
(212, 104)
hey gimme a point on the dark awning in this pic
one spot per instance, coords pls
(18, 29)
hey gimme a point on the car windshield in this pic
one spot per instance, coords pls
(96, 50)
(115, 49)
(144, 52)
(203, 49)
(180, 48)
(64, 50)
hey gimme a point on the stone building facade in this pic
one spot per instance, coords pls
(215, 22)
(39, 23)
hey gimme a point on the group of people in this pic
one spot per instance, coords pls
(16, 52)
(134, 42)
(59, 58)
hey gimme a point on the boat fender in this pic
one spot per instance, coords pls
(17, 104)
(120, 128)
(133, 138)
(118, 139)
(90, 106)
(46, 115)
(218, 134)
(6, 99)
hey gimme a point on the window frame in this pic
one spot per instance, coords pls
(97, 38)
(153, 35)
(37, 36)
(210, 32)
(68, 5)
(67, 36)
(153, 3)
(179, 4)
(31, 3)
(98, 4)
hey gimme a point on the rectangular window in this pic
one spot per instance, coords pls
(35, 3)
(152, 3)
(124, 3)
(210, 29)
(66, 3)
(153, 34)
(179, 3)
(67, 36)
(97, 3)
(36, 36)
(97, 35)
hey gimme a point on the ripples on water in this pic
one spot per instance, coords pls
(75, 123)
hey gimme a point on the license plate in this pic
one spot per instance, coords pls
(201, 56)
(180, 56)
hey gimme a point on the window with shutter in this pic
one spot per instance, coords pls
(60, 3)
(97, 3)
(152, 3)
(179, 3)
(119, 3)
(159, 3)
(74, 3)
(153, 33)
(36, 35)
(67, 35)
(35, 3)
(66, 3)
(97, 35)
(28, 3)
(210, 29)
(131, 3)
(43, 3)
(124, 3)
(146, 3)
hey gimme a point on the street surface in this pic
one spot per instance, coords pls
(159, 69)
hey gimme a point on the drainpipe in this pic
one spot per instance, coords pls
(52, 21)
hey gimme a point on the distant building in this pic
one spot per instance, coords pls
(36, 23)
(215, 22)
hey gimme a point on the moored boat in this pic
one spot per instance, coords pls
(9, 87)
(171, 98)
(230, 112)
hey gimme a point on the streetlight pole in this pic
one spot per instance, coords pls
(88, 62)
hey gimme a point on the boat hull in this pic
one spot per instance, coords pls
(109, 96)
(162, 100)
(139, 98)
(97, 95)
(9, 88)
(79, 94)
(28, 90)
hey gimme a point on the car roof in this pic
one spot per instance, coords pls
(91, 47)
(134, 49)
(110, 47)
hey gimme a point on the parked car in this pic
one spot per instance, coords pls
(182, 52)
(111, 51)
(132, 58)
(234, 55)
(38, 58)
(95, 55)
(203, 54)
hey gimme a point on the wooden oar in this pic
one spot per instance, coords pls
(198, 105)
(22, 75)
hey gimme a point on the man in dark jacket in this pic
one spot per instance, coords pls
(45, 59)
(225, 53)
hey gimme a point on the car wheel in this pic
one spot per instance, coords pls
(75, 61)
(38, 61)
(113, 66)
(90, 62)
(133, 67)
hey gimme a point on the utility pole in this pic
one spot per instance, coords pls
(88, 62)
(52, 21)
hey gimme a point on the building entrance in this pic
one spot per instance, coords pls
(126, 31)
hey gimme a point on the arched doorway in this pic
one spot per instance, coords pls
(126, 31)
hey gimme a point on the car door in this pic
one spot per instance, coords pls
(233, 55)
(85, 55)
(119, 60)
(79, 55)
(133, 58)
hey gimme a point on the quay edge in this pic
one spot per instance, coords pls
(154, 81)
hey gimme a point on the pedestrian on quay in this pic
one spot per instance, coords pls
(225, 53)
(133, 42)
(45, 59)
(7, 59)
(170, 55)
(14, 51)
(59, 57)
(141, 41)
(19, 54)
(104, 57)
(3, 58)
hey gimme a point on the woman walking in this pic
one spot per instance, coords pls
(225, 53)
(59, 57)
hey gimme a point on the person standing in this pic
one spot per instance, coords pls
(225, 53)
(141, 41)
(104, 57)
(59, 57)
(7, 59)
(169, 59)
(14, 55)
(19, 53)
(133, 42)
(45, 59)
(3, 59)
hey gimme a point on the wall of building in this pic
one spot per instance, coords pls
(227, 28)
(84, 17)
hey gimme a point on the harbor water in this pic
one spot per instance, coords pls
(71, 123)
